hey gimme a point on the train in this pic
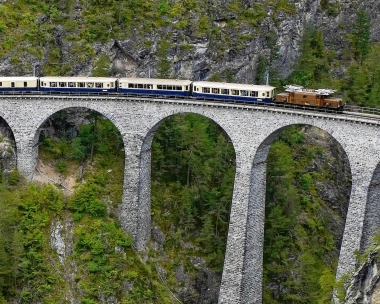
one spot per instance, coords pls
(218, 91)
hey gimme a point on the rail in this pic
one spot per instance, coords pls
(350, 110)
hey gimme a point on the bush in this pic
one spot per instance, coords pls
(61, 167)
(14, 177)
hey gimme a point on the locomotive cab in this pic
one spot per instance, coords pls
(320, 98)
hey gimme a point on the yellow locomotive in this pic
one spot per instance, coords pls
(320, 98)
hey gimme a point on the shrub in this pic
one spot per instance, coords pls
(14, 177)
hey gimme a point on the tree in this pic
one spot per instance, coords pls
(102, 66)
(360, 36)
(314, 64)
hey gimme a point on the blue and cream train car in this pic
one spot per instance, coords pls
(78, 84)
(233, 91)
(151, 86)
(19, 84)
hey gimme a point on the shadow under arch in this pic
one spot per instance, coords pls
(65, 124)
(89, 107)
(8, 147)
(254, 246)
(371, 225)
(146, 158)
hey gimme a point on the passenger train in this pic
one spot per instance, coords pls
(172, 88)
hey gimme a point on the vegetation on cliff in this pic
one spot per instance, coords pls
(192, 163)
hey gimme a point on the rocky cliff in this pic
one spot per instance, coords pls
(227, 40)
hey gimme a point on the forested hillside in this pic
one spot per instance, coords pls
(61, 245)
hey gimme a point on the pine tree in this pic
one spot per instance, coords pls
(360, 36)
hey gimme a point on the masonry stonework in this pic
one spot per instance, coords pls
(252, 130)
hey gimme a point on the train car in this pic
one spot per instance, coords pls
(151, 86)
(233, 91)
(319, 98)
(78, 84)
(19, 84)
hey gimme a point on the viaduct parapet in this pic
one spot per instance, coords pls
(252, 131)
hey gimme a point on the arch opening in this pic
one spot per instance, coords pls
(192, 178)
(81, 146)
(71, 141)
(8, 150)
(308, 182)
(371, 226)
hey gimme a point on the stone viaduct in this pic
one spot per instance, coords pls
(252, 131)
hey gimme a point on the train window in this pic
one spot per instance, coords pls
(206, 90)
(225, 92)
(90, 84)
(108, 85)
(235, 92)
(254, 93)
(263, 94)
(98, 84)
(72, 84)
(215, 91)
(178, 88)
(63, 84)
(267, 94)
(159, 87)
(12, 84)
(53, 84)
(169, 87)
(243, 93)
(25, 84)
(1, 84)
(187, 88)
(130, 85)
(81, 84)
(112, 84)
(140, 86)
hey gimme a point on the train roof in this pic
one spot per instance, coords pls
(237, 86)
(155, 81)
(80, 79)
(300, 89)
(15, 78)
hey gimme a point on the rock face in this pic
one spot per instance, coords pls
(273, 34)
(365, 286)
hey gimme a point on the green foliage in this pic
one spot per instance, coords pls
(360, 36)
(313, 66)
(101, 68)
(163, 62)
(23, 246)
(192, 178)
(331, 8)
(341, 287)
(61, 167)
(85, 201)
(14, 177)
(299, 254)
(362, 84)
(55, 148)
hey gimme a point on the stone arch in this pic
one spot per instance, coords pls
(251, 291)
(142, 214)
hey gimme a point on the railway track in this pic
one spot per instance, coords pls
(349, 110)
